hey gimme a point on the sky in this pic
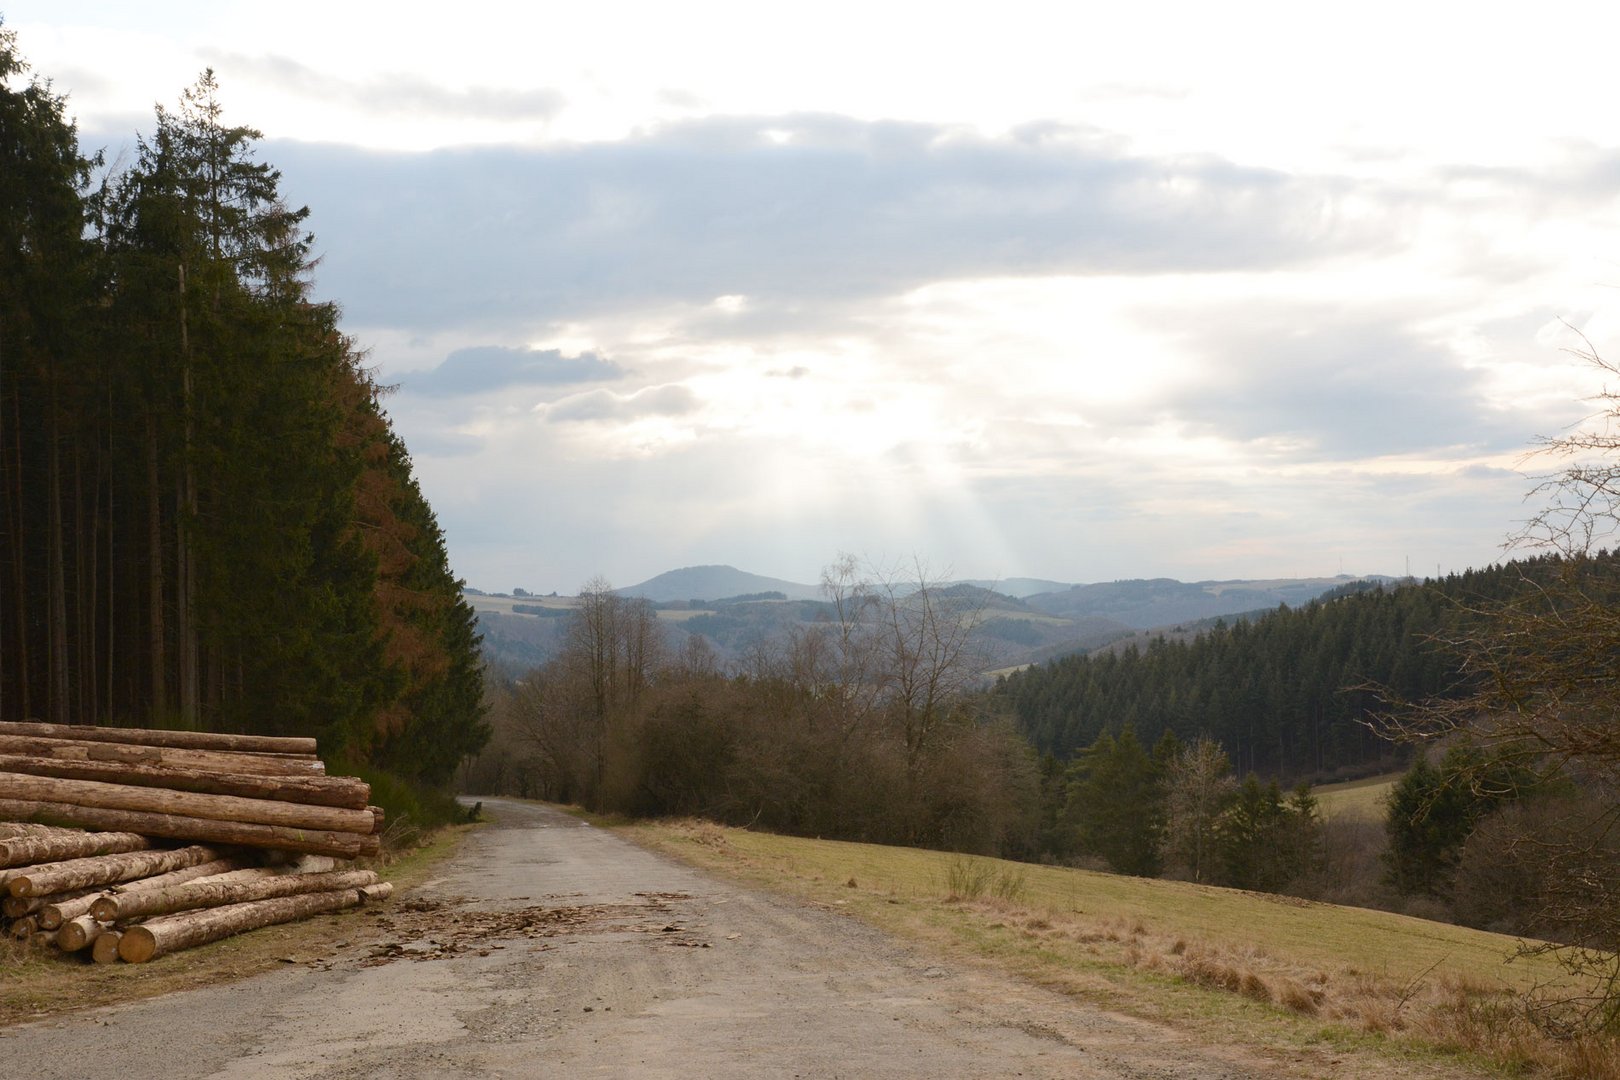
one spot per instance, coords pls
(1071, 291)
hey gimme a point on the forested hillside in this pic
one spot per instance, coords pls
(207, 519)
(1279, 693)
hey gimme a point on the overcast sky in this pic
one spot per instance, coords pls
(1074, 291)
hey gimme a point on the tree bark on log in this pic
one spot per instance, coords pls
(103, 870)
(212, 868)
(212, 894)
(371, 894)
(67, 844)
(151, 800)
(55, 910)
(159, 937)
(182, 740)
(175, 827)
(10, 830)
(347, 792)
(216, 760)
(15, 907)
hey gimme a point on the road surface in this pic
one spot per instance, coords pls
(553, 949)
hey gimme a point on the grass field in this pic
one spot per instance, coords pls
(1285, 975)
(1361, 800)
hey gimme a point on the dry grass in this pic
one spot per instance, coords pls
(1232, 966)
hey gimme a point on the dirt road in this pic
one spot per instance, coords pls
(551, 948)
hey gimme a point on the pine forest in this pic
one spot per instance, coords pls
(207, 520)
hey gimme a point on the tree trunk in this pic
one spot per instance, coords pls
(156, 800)
(341, 791)
(157, 647)
(150, 940)
(55, 910)
(180, 740)
(57, 704)
(185, 517)
(20, 647)
(341, 844)
(220, 761)
(15, 907)
(102, 870)
(67, 844)
(212, 894)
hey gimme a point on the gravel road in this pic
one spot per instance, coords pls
(551, 948)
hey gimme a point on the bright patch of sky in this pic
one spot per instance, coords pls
(1069, 291)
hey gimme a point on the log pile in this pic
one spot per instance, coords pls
(125, 843)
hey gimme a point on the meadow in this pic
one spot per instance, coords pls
(1284, 975)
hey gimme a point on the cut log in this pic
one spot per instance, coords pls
(24, 927)
(151, 800)
(75, 934)
(348, 792)
(15, 907)
(212, 868)
(371, 894)
(55, 910)
(52, 915)
(159, 937)
(217, 760)
(175, 827)
(67, 844)
(211, 894)
(186, 740)
(104, 950)
(103, 870)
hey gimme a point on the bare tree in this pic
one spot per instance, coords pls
(1544, 688)
(1198, 786)
(929, 663)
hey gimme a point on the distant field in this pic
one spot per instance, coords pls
(1288, 976)
(503, 604)
(1361, 800)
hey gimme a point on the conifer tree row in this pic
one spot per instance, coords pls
(206, 519)
(1288, 694)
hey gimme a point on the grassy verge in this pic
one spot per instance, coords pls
(1281, 975)
(36, 984)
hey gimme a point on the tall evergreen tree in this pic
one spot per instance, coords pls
(1116, 803)
(206, 516)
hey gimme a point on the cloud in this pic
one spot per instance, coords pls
(607, 405)
(396, 94)
(807, 210)
(485, 368)
(1334, 384)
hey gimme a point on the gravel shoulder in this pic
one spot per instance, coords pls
(550, 947)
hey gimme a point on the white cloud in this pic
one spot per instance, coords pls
(1072, 292)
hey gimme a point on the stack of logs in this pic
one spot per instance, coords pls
(134, 843)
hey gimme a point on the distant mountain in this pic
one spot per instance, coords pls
(714, 583)
(1016, 627)
(1020, 588)
(1162, 602)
